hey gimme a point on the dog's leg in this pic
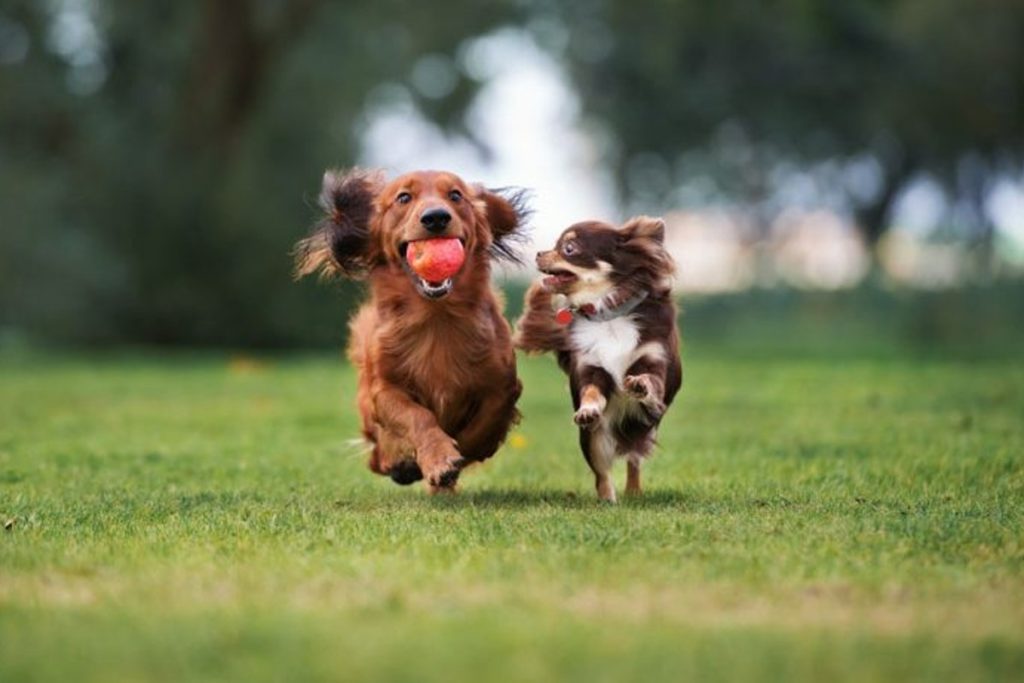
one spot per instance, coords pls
(592, 405)
(489, 426)
(395, 456)
(595, 386)
(596, 438)
(633, 477)
(536, 329)
(435, 451)
(598, 448)
(645, 382)
(600, 454)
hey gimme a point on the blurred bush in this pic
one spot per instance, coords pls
(752, 102)
(155, 157)
(972, 322)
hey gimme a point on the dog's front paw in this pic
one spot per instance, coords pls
(441, 464)
(405, 472)
(641, 388)
(587, 417)
(638, 386)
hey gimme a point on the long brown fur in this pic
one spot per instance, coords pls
(437, 381)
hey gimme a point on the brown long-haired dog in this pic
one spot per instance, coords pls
(605, 308)
(437, 373)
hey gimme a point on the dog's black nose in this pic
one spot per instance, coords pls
(435, 220)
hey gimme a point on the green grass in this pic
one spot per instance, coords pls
(820, 518)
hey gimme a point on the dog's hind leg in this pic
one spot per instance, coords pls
(633, 475)
(598, 446)
(637, 449)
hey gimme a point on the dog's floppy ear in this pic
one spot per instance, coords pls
(506, 212)
(340, 244)
(643, 227)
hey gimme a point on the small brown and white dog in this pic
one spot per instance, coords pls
(605, 308)
(437, 384)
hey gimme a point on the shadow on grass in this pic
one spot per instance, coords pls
(512, 499)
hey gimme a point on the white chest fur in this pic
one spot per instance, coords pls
(609, 344)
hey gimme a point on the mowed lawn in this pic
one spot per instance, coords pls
(194, 518)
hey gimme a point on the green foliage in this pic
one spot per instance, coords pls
(912, 85)
(161, 208)
(152, 182)
(807, 517)
(970, 322)
(967, 322)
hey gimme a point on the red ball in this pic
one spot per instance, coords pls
(436, 260)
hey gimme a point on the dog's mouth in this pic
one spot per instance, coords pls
(426, 288)
(557, 278)
(433, 290)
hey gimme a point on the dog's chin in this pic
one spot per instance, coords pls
(431, 290)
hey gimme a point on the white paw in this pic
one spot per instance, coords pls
(588, 416)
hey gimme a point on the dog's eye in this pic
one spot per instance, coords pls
(455, 196)
(403, 198)
(569, 248)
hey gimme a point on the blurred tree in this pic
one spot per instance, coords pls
(154, 156)
(895, 88)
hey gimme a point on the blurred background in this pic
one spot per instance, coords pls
(848, 168)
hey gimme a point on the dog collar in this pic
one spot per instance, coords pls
(566, 315)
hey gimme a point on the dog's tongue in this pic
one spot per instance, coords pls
(436, 260)
(557, 279)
